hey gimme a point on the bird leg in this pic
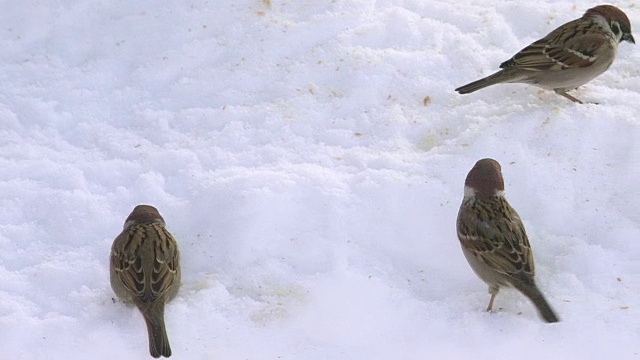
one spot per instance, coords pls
(493, 290)
(564, 93)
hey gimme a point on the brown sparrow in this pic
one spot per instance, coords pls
(493, 238)
(568, 57)
(145, 270)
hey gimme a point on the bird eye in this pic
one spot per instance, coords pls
(615, 28)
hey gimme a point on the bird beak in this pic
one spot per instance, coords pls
(629, 38)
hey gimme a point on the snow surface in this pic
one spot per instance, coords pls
(309, 156)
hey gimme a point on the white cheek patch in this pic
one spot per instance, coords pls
(469, 192)
(128, 224)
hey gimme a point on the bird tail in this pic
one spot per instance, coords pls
(496, 78)
(158, 340)
(534, 294)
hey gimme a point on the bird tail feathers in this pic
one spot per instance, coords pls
(534, 294)
(158, 340)
(496, 78)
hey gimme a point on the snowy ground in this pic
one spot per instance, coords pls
(309, 156)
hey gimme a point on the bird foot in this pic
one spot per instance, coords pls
(564, 94)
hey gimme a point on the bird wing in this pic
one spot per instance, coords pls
(146, 277)
(500, 242)
(165, 261)
(572, 45)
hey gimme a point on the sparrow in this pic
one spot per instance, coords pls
(145, 270)
(568, 57)
(493, 238)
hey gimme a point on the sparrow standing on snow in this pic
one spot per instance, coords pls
(145, 270)
(568, 57)
(493, 238)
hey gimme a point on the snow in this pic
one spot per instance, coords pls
(309, 156)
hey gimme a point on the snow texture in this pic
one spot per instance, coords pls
(309, 156)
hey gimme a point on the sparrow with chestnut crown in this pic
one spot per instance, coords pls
(493, 238)
(568, 57)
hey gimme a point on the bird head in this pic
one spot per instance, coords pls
(484, 180)
(616, 19)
